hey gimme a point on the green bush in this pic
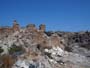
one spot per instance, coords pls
(15, 48)
(1, 50)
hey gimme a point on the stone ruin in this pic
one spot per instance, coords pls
(42, 27)
(14, 28)
(39, 44)
(36, 35)
(39, 37)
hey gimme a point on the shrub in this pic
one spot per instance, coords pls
(15, 49)
(7, 61)
(1, 50)
(69, 49)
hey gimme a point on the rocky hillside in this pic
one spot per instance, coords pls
(77, 42)
(30, 47)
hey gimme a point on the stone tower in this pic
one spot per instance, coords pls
(0, 29)
(42, 27)
(31, 27)
(16, 26)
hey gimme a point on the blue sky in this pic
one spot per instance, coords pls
(63, 15)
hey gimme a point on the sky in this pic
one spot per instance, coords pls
(57, 15)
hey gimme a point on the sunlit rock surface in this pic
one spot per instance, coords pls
(36, 48)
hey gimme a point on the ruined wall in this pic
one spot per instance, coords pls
(40, 38)
(5, 30)
(16, 26)
(56, 41)
(0, 30)
(42, 27)
(31, 28)
(37, 36)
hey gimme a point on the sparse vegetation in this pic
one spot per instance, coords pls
(15, 49)
(1, 50)
(69, 49)
(7, 61)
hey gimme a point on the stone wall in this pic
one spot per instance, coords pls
(36, 35)
(5, 30)
(31, 27)
(42, 27)
(14, 28)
